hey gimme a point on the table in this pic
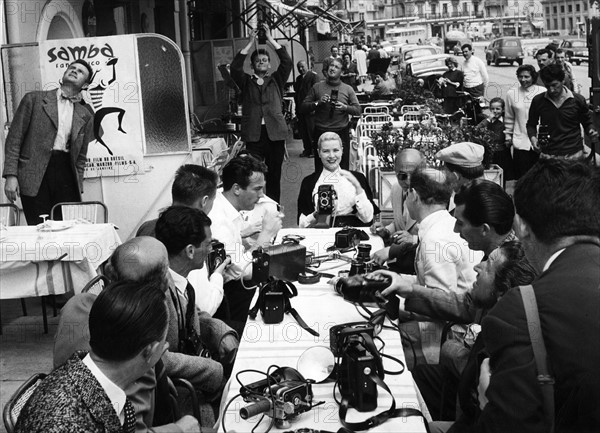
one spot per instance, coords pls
(35, 263)
(282, 344)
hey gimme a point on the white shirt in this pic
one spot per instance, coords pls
(209, 291)
(346, 198)
(227, 224)
(115, 395)
(518, 101)
(180, 283)
(361, 61)
(552, 258)
(65, 122)
(475, 72)
(265, 205)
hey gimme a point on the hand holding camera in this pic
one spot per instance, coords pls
(399, 285)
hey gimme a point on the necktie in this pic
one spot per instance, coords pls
(129, 424)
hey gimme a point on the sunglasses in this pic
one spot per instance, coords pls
(401, 175)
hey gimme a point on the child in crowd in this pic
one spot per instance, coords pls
(495, 124)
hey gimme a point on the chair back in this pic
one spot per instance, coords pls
(376, 109)
(17, 402)
(9, 214)
(411, 117)
(409, 108)
(96, 285)
(94, 212)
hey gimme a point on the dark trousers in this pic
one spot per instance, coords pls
(523, 160)
(238, 300)
(344, 134)
(438, 387)
(58, 185)
(476, 91)
(306, 125)
(504, 159)
(272, 153)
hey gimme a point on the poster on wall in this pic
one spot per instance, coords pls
(113, 94)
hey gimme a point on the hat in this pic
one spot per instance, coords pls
(464, 154)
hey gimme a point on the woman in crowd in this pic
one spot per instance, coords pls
(518, 101)
(349, 70)
(354, 203)
(451, 82)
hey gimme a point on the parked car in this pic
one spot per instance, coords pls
(415, 51)
(428, 68)
(576, 50)
(504, 50)
(454, 37)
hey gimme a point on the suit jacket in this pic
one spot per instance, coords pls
(206, 374)
(306, 204)
(70, 399)
(302, 86)
(264, 101)
(31, 138)
(568, 299)
(73, 335)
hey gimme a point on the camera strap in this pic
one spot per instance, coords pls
(381, 417)
(289, 291)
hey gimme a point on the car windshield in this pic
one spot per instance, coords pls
(420, 52)
(428, 64)
(579, 44)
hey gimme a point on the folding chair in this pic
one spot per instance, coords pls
(409, 108)
(95, 285)
(376, 109)
(17, 402)
(86, 210)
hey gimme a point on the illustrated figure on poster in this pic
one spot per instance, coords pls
(97, 94)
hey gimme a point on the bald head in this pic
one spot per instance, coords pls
(407, 161)
(139, 259)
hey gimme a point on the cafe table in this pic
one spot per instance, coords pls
(60, 260)
(282, 344)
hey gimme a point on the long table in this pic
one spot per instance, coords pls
(38, 263)
(282, 344)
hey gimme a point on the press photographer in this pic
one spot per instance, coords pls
(353, 204)
(333, 102)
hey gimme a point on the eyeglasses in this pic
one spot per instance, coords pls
(402, 175)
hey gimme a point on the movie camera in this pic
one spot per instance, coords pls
(216, 256)
(283, 395)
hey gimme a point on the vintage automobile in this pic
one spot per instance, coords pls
(576, 50)
(504, 50)
(428, 68)
(414, 51)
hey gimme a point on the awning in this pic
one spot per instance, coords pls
(284, 9)
(538, 24)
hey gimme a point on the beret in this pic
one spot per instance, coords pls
(464, 154)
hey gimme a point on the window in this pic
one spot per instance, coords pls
(433, 9)
(465, 9)
(555, 24)
(562, 9)
(562, 23)
(577, 7)
(570, 8)
(555, 9)
(547, 10)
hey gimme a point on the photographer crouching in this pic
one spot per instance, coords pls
(345, 196)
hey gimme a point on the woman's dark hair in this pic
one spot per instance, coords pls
(530, 69)
(125, 318)
(515, 270)
(179, 226)
(486, 203)
(240, 169)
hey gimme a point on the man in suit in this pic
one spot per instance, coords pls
(264, 128)
(303, 84)
(47, 143)
(557, 206)
(128, 329)
(186, 234)
(141, 259)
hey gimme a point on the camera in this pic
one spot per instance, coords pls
(332, 101)
(216, 256)
(284, 261)
(350, 237)
(543, 136)
(355, 384)
(360, 265)
(326, 197)
(361, 288)
(284, 395)
(339, 334)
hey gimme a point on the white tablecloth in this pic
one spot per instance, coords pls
(30, 265)
(282, 344)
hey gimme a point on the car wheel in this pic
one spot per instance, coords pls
(577, 62)
(496, 62)
(519, 62)
(489, 61)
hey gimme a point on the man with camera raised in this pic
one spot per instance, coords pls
(243, 186)
(350, 202)
(333, 102)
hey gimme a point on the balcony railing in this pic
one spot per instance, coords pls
(432, 16)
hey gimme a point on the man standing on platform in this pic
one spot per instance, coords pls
(475, 73)
(333, 102)
(47, 143)
(306, 123)
(264, 128)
